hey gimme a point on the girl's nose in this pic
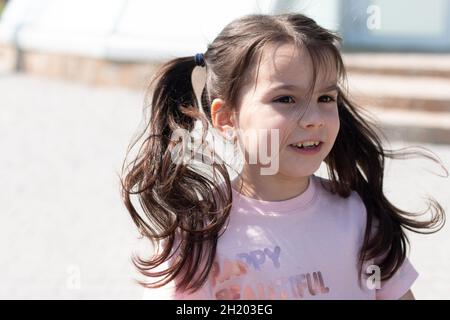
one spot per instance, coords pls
(312, 117)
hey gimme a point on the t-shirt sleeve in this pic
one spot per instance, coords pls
(399, 284)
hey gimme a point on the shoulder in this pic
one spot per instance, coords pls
(352, 203)
(350, 208)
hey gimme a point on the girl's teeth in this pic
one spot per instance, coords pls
(313, 145)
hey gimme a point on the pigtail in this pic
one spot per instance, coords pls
(184, 213)
(356, 162)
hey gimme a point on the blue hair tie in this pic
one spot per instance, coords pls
(200, 59)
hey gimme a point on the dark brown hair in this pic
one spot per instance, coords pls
(186, 209)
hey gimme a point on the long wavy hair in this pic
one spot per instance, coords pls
(185, 210)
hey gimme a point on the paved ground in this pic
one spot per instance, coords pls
(63, 230)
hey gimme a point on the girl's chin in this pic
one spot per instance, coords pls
(300, 170)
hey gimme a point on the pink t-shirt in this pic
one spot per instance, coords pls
(305, 247)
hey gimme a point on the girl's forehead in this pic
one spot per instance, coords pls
(287, 64)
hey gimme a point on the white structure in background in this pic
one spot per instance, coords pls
(135, 30)
(142, 30)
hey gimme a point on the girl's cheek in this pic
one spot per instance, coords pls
(333, 125)
(333, 119)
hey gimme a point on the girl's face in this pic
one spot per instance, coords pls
(265, 106)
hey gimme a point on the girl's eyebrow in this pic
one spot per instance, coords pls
(330, 87)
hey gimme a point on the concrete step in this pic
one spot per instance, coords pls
(430, 94)
(408, 64)
(412, 126)
(408, 93)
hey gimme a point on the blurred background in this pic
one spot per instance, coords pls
(73, 76)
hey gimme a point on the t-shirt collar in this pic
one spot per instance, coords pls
(300, 201)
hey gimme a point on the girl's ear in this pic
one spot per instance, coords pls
(223, 120)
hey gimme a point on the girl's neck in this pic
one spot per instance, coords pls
(269, 187)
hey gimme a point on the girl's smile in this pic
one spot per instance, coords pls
(307, 148)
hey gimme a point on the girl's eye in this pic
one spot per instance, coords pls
(283, 99)
(326, 99)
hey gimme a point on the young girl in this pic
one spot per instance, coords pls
(276, 231)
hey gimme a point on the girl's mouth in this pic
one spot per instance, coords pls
(307, 150)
